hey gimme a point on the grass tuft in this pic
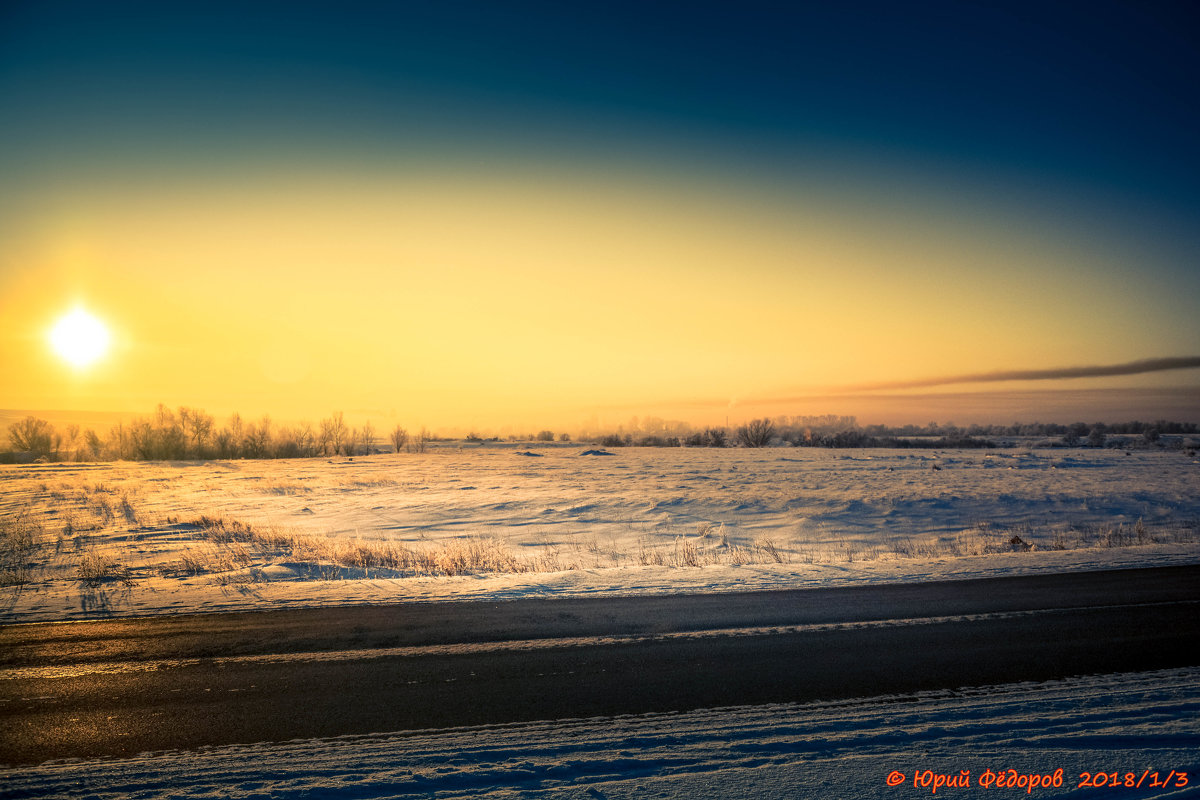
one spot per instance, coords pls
(95, 569)
(19, 535)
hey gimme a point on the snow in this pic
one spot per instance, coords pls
(628, 524)
(1132, 724)
(640, 521)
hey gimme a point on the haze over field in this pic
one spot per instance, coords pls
(468, 214)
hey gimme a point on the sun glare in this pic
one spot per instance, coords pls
(79, 338)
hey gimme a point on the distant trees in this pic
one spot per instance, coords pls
(350, 442)
(714, 437)
(184, 433)
(256, 442)
(709, 437)
(306, 439)
(197, 427)
(94, 444)
(333, 432)
(191, 433)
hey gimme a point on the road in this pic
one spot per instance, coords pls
(120, 687)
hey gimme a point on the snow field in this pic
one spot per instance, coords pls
(468, 523)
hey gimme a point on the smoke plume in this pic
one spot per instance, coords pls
(1130, 368)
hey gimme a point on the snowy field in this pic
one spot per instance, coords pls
(88, 540)
(1141, 725)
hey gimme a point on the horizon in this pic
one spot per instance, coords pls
(477, 218)
(896, 411)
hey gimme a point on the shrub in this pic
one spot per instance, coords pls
(94, 570)
(756, 433)
(658, 441)
(18, 541)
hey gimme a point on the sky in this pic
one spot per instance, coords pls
(474, 214)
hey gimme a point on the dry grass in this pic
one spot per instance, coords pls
(468, 555)
(239, 545)
(127, 510)
(767, 551)
(102, 509)
(985, 539)
(463, 556)
(95, 569)
(286, 488)
(368, 483)
(19, 535)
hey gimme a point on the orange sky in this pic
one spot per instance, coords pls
(528, 298)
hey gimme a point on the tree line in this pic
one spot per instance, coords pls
(190, 433)
(834, 431)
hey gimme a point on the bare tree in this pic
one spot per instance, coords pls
(197, 426)
(366, 436)
(399, 438)
(257, 440)
(120, 441)
(756, 433)
(32, 435)
(337, 431)
(325, 436)
(142, 440)
(94, 444)
(236, 432)
(71, 440)
(306, 438)
(226, 445)
(333, 434)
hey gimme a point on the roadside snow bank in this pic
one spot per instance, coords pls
(1141, 724)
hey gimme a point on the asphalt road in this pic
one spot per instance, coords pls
(120, 687)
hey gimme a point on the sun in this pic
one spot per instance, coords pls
(79, 338)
